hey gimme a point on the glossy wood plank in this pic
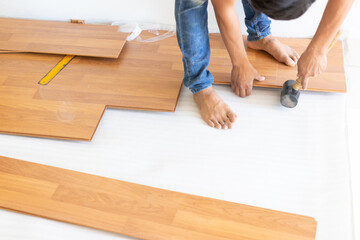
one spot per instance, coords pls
(140, 211)
(72, 104)
(332, 80)
(146, 76)
(60, 38)
(141, 78)
(21, 114)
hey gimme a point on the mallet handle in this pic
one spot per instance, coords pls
(297, 85)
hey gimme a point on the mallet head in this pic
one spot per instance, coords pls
(289, 96)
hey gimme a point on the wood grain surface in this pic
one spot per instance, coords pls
(72, 104)
(332, 80)
(146, 76)
(137, 210)
(21, 114)
(60, 38)
(141, 78)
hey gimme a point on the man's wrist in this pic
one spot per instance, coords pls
(241, 63)
(318, 48)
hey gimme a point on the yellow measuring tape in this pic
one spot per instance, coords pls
(53, 72)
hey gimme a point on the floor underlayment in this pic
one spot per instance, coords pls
(254, 163)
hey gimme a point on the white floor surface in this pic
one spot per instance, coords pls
(293, 160)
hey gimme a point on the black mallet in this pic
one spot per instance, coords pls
(290, 92)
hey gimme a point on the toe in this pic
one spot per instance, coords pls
(296, 55)
(232, 116)
(211, 123)
(222, 123)
(216, 123)
(228, 123)
(288, 61)
(294, 58)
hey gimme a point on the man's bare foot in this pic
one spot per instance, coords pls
(214, 111)
(278, 50)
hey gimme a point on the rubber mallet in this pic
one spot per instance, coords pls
(290, 92)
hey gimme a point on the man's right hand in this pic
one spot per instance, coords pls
(242, 78)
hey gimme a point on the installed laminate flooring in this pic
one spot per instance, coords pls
(60, 38)
(332, 80)
(21, 114)
(137, 210)
(141, 78)
(146, 76)
(72, 104)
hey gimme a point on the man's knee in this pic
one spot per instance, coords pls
(186, 5)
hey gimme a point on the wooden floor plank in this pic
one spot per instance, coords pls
(146, 76)
(60, 38)
(72, 104)
(332, 80)
(137, 210)
(21, 114)
(132, 81)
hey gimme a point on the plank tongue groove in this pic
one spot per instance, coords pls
(140, 211)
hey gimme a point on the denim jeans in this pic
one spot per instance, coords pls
(193, 38)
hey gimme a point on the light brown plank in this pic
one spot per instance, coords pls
(332, 80)
(141, 211)
(60, 38)
(26, 185)
(146, 76)
(72, 104)
(21, 114)
(141, 78)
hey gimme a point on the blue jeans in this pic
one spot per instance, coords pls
(193, 38)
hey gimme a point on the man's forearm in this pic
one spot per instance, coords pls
(230, 29)
(334, 15)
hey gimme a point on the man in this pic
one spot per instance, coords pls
(193, 38)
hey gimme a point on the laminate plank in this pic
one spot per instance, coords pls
(45, 207)
(332, 80)
(141, 78)
(146, 76)
(72, 104)
(26, 185)
(61, 38)
(230, 229)
(21, 114)
(137, 210)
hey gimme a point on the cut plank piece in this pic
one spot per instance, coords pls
(141, 78)
(60, 38)
(332, 80)
(21, 114)
(139, 211)
(72, 104)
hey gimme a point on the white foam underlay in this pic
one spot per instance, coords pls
(292, 160)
